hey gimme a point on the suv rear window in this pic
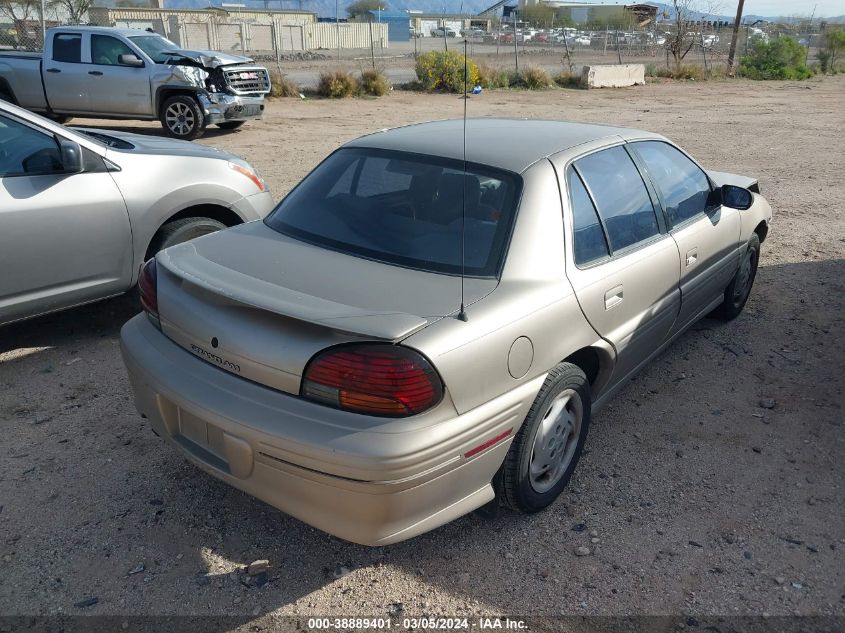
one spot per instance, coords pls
(404, 209)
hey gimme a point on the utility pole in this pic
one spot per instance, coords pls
(735, 37)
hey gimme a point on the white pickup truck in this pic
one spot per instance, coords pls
(111, 73)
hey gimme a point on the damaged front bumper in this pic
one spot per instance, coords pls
(221, 107)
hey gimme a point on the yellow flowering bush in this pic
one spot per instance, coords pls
(444, 70)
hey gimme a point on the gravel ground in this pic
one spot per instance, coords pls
(711, 485)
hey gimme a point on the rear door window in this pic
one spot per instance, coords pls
(616, 186)
(587, 234)
(67, 47)
(683, 186)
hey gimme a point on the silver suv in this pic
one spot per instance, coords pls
(81, 210)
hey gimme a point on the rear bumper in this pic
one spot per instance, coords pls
(373, 484)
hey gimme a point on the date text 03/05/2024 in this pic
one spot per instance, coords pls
(424, 623)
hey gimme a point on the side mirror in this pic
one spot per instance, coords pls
(737, 197)
(130, 59)
(71, 156)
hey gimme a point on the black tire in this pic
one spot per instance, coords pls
(182, 118)
(230, 125)
(179, 231)
(515, 485)
(738, 291)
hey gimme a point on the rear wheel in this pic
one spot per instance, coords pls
(738, 291)
(182, 117)
(547, 447)
(230, 125)
(179, 231)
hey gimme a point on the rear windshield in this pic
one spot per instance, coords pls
(404, 209)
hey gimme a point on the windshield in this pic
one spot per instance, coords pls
(403, 209)
(155, 46)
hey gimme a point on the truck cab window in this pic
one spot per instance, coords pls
(107, 50)
(67, 47)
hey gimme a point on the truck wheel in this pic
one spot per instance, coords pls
(546, 449)
(182, 117)
(230, 125)
(179, 231)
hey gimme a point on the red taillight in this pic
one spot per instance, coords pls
(148, 291)
(377, 379)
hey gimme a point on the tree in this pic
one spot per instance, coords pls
(18, 11)
(834, 45)
(76, 10)
(362, 7)
(686, 21)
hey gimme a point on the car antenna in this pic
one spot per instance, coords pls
(462, 314)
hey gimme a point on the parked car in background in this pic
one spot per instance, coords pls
(103, 72)
(440, 31)
(82, 209)
(423, 324)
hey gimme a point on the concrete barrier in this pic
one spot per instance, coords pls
(613, 75)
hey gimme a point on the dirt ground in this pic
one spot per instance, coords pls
(694, 498)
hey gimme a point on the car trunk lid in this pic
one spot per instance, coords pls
(260, 304)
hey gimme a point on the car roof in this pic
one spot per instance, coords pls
(510, 144)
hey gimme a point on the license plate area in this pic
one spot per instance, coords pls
(244, 111)
(203, 440)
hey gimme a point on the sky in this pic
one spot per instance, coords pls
(773, 7)
(788, 7)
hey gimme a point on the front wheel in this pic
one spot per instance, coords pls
(179, 231)
(230, 125)
(738, 291)
(182, 118)
(547, 447)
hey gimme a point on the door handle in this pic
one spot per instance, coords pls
(613, 297)
(692, 256)
(53, 70)
(97, 73)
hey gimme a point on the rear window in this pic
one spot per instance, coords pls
(404, 209)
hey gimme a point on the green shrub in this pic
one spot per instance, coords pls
(281, 86)
(337, 84)
(444, 70)
(490, 77)
(566, 79)
(834, 45)
(373, 82)
(651, 70)
(780, 58)
(535, 78)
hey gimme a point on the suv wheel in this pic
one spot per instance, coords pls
(182, 117)
(179, 231)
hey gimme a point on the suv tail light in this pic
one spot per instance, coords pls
(373, 378)
(148, 291)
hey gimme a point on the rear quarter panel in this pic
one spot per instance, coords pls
(534, 301)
